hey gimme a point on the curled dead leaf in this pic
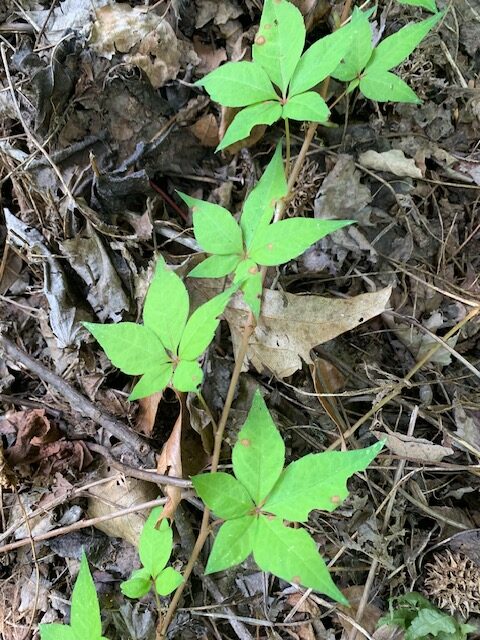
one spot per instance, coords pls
(169, 463)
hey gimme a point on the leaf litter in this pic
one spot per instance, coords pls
(107, 90)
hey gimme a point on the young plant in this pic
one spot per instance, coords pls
(278, 82)
(421, 620)
(242, 248)
(369, 68)
(85, 621)
(154, 548)
(165, 349)
(262, 495)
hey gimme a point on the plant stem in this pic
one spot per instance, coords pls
(287, 147)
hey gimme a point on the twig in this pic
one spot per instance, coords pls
(78, 402)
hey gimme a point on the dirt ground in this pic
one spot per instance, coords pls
(100, 124)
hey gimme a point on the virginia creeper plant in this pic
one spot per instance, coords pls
(256, 505)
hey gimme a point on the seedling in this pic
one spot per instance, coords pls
(154, 548)
(262, 495)
(164, 350)
(242, 248)
(421, 620)
(85, 621)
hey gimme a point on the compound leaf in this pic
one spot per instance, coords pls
(138, 585)
(317, 481)
(223, 494)
(233, 543)
(167, 581)
(57, 631)
(280, 40)
(320, 60)
(155, 545)
(187, 376)
(215, 267)
(287, 239)
(152, 382)
(216, 230)
(252, 293)
(360, 50)
(202, 325)
(397, 47)
(260, 202)
(131, 347)
(291, 554)
(430, 622)
(166, 306)
(261, 113)
(259, 452)
(238, 84)
(384, 86)
(85, 612)
(425, 4)
(309, 106)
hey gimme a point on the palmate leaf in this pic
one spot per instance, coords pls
(259, 452)
(131, 347)
(384, 86)
(223, 494)
(317, 481)
(291, 554)
(393, 50)
(152, 382)
(166, 306)
(238, 84)
(216, 230)
(155, 544)
(320, 60)
(309, 106)
(242, 124)
(215, 267)
(280, 40)
(360, 50)
(260, 202)
(287, 239)
(188, 376)
(233, 543)
(85, 618)
(202, 325)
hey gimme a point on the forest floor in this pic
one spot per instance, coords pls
(100, 125)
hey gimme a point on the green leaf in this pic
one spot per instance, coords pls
(238, 84)
(152, 382)
(202, 325)
(287, 239)
(168, 581)
(261, 113)
(260, 202)
(215, 267)
(233, 543)
(425, 4)
(252, 293)
(259, 452)
(360, 51)
(166, 306)
(384, 86)
(430, 622)
(56, 631)
(187, 376)
(85, 612)
(317, 481)
(291, 554)
(223, 494)
(155, 544)
(131, 347)
(280, 40)
(397, 47)
(216, 230)
(320, 60)
(138, 585)
(309, 106)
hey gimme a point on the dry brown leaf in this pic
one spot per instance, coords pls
(210, 57)
(328, 379)
(416, 448)
(206, 130)
(291, 325)
(370, 616)
(147, 412)
(393, 161)
(169, 462)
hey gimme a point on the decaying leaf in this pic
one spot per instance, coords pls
(413, 448)
(371, 613)
(393, 161)
(206, 130)
(468, 425)
(291, 325)
(147, 412)
(169, 462)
